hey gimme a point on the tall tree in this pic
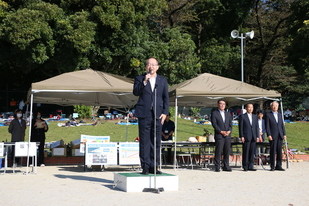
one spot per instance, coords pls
(298, 52)
(266, 50)
(215, 19)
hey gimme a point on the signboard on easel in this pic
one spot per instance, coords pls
(101, 153)
(91, 139)
(129, 153)
(21, 149)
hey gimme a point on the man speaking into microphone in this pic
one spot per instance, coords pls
(146, 86)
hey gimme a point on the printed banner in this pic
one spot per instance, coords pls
(101, 153)
(88, 138)
(129, 153)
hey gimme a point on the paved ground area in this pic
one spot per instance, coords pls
(70, 185)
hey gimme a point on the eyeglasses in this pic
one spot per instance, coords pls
(152, 65)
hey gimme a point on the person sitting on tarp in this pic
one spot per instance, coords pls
(287, 114)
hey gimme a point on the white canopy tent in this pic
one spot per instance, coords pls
(205, 90)
(85, 87)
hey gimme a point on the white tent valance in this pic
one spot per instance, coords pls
(205, 90)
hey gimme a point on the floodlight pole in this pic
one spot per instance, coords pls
(242, 56)
(242, 61)
(234, 34)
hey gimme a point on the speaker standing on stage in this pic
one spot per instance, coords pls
(276, 134)
(221, 121)
(145, 86)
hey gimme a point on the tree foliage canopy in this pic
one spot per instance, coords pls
(43, 38)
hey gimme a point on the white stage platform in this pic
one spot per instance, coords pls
(136, 182)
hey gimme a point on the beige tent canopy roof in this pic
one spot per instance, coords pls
(86, 87)
(206, 89)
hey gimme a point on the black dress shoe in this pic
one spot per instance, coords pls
(158, 172)
(145, 172)
(245, 170)
(217, 170)
(227, 169)
(272, 169)
(252, 169)
(279, 168)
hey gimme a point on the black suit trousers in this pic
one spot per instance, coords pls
(222, 143)
(275, 153)
(146, 141)
(248, 149)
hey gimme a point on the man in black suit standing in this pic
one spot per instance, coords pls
(150, 109)
(276, 134)
(249, 133)
(221, 121)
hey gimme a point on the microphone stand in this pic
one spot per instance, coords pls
(155, 189)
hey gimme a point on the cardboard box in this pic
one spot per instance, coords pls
(59, 143)
(61, 151)
(76, 152)
(75, 144)
(201, 138)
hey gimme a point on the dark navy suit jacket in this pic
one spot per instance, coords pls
(147, 97)
(219, 125)
(246, 130)
(274, 129)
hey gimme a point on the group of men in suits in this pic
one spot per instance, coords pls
(153, 106)
(251, 130)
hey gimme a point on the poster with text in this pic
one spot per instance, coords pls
(129, 153)
(104, 153)
(91, 139)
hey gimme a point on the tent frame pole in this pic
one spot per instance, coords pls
(176, 127)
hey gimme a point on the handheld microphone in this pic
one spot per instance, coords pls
(145, 76)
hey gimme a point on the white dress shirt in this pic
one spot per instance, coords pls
(276, 116)
(250, 118)
(222, 115)
(260, 124)
(152, 82)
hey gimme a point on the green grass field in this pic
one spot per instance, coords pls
(297, 133)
